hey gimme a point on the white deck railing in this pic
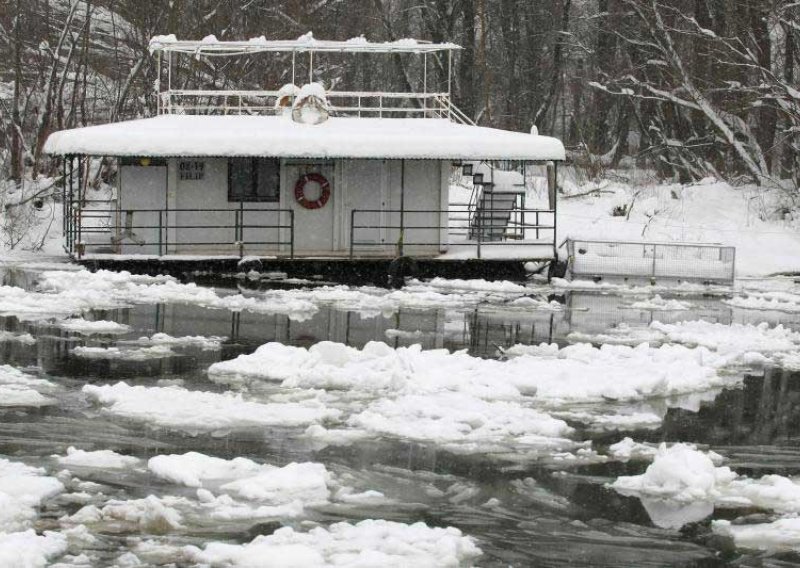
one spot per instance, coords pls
(342, 103)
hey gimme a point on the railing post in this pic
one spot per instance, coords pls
(654, 260)
(291, 234)
(160, 231)
(240, 223)
(79, 216)
(479, 213)
(352, 230)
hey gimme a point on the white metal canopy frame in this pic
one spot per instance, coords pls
(210, 46)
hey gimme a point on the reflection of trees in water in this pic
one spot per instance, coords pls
(766, 410)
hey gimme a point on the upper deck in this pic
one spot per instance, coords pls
(426, 103)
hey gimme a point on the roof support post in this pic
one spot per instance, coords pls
(402, 207)
(310, 66)
(449, 84)
(555, 210)
(68, 204)
(293, 66)
(169, 83)
(425, 85)
(158, 83)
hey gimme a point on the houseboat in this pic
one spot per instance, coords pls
(303, 172)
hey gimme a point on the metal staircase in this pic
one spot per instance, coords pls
(496, 194)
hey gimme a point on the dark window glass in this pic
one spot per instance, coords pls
(253, 179)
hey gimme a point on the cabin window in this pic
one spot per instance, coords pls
(254, 179)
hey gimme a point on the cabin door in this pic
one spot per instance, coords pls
(313, 204)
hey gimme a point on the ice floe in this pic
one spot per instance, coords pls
(367, 543)
(461, 401)
(778, 535)
(86, 327)
(629, 450)
(21, 389)
(211, 343)
(734, 344)
(461, 422)
(657, 303)
(200, 411)
(24, 338)
(304, 483)
(776, 294)
(26, 549)
(684, 484)
(551, 373)
(678, 473)
(151, 514)
(71, 292)
(157, 351)
(104, 459)
(193, 469)
(22, 490)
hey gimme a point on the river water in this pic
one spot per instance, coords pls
(521, 513)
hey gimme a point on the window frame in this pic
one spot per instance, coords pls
(254, 178)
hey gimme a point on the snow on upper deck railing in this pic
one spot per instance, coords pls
(210, 45)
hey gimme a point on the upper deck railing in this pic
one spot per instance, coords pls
(424, 104)
(366, 104)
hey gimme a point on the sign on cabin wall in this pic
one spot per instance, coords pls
(192, 170)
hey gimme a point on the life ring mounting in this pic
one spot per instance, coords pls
(300, 191)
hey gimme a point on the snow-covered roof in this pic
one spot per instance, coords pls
(210, 45)
(279, 136)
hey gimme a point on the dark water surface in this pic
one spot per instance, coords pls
(543, 514)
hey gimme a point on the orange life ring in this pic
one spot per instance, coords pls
(300, 194)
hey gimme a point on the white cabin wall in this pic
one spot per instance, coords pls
(365, 185)
(211, 192)
(377, 184)
(356, 184)
(423, 190)
(171, 203)
(140, 187)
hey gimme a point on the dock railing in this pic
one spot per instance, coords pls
(681, 261)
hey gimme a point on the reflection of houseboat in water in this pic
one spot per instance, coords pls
(302, 172)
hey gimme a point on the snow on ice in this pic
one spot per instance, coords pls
(85, 327)
(101, 459)
(367, 543)
(27, 549)
(778, 535)
(684, 484)
(730, 345)
(21, 389)
(23, 489)
(301, 483)
(199, 411)
(132, 354)
(466, 402)
(554, 374)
